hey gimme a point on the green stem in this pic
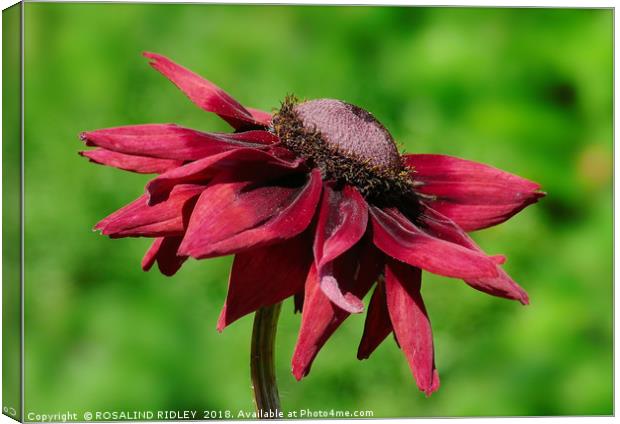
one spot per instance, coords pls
(266, 397)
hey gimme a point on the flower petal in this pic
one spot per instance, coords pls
(395, 235)
(260, 116)
(342, 221)
(131, 163)
(356, 270)
(151, 254)
(243, 160)
(164, 251)
(411, 324)
(378, 325)
(169, 141)
(501, 285)
(298, 301)
(168, 218)
(472, 194)
(266, 276)
(231, 217)
(253, 137)
(203, 93)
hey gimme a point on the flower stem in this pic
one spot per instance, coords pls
(266, 397)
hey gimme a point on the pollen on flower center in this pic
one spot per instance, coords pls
(347, 144)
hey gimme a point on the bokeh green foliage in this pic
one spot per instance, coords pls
(11, 169)
(526, 90)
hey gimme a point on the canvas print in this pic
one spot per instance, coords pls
(293, 212)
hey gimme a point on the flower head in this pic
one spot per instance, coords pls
(317, 203)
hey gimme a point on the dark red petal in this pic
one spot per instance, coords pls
(164, 251)
(131, 163)
(203, 93)
(266, 276)
(377, 326)
(231, 217)
(395, 235)
(151, 254)
(342, 221)
(298, 301)
(357, 269)
(169, 141)
(472, 194)
(168, 218)
(501, 285)
(242, 160)
(260, 116)
(410, 322)
(253, 137)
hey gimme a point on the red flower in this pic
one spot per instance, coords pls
(316, 203)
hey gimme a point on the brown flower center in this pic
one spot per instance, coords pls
(351, 130)
(347, 144)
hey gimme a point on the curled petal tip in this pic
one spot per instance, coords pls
(434, 385)
(429, 391)
(540, 194)
(222, 322)
(525, 300)
(355, 304)
(151, 55)
(521, 295)
(85, 138)
(352, 308)
(102, 231)
(347, 301)
(167, 272)
(362, 355)
(298, 373)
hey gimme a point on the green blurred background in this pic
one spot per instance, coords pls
(526, 90)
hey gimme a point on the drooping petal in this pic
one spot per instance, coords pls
(298, 301)
(231, 217)
(151, 254)
(501, 285)
(410, 322)
(244, 161)
(169, 141)
(398, 237)
(203, 93)
(472, 194)
(266, 276)
(164, 251)
(131, 163)
(356, 270)
(378, 325)
(343, 216)
(168, 218)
